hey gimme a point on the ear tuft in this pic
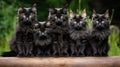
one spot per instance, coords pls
(20, 7)
(34, 5)
(106, 14)
(71, 14)
(48, 24)
(94, 13)
(65, 10)
(34, 8)
(83, 14)
(36, 25)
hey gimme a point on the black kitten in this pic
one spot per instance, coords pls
(42, 39)
(58, 17)
(99, 34)
(78, 34)
(22, 40)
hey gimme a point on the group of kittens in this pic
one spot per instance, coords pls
(61, 35)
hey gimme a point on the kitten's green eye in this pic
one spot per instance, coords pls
(97, 21)
(103, 21)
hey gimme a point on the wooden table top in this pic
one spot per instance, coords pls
(113, 61)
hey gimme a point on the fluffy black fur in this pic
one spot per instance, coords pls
(42, 39)
(78, 34)
(58, 17)
(22, 40)
(99, 34)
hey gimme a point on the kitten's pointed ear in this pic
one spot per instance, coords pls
(48, 24)
(94, 14)
(36, 25)
(71, 14)
(52, 10)
(65, 10)
(34, 8)
(20, 7)
(34, 5)
(83, 14)
(106, 14)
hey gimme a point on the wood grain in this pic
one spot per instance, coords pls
(60, 62)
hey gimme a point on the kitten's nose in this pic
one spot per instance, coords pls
(42, 33)
(59, 22)
(78, 26)
(27, 19)
(100, 24)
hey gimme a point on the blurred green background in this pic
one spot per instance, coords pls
(8, 17)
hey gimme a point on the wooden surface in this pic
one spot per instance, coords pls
(60, 62)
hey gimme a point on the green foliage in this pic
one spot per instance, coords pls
(8, 19)
(114, 39)
(56, 3)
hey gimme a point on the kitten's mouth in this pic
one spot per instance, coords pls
(43, 37)
(58, 23)
(99, 28)
(78, 28)
(27, 22)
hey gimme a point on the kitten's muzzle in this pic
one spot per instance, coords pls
(100, 25)
(27, 21)
(78, 26)
(59, 22)
(43, 36)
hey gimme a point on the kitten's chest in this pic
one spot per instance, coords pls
(100, 35)
(25, 28)
(78, 35)
(59, 30)
(24, 36)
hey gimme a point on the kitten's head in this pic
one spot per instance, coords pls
(27, 15)
(58, 16)
(100, 21)
(78, 22)
(42, 30)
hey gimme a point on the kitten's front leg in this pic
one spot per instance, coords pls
(73, 49)
(82, 50)
(61, 46)
(39, 51)
(48, 52)
(94, 49)
(29, 48)
(105, 49)
(20, 49)
(55, 49)
(83, 45)
(94, 43)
